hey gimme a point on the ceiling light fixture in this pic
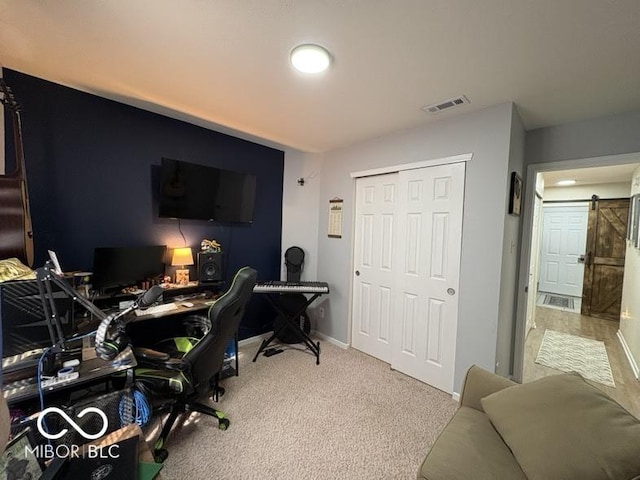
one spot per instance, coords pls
(565, 183)
(310, 58)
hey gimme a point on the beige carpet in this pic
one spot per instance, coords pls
(350, 417)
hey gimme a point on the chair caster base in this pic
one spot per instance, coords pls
(223, 423)
(160, 455)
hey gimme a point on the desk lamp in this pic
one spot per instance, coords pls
(181, 258)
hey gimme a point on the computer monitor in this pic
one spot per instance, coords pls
(121, 267)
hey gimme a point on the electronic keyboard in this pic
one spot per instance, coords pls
(275, 286)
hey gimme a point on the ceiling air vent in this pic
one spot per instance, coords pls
(447, 104)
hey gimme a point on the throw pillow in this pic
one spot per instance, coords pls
(560, 427)
(14, 269)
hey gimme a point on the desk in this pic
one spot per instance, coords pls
(200, 305)
(90, 370)
(147, 330)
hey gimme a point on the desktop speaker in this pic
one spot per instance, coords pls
(209, 267)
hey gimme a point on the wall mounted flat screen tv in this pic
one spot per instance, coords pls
(199, 192)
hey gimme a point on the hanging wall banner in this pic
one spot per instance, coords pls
(335, 218)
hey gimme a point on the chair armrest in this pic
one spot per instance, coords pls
(176, 364)
(150, 355)
(147, 357)
(478, 384)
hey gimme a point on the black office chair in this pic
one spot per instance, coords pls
(184, 369)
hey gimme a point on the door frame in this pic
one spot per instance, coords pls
(527, 225)
(380, 171)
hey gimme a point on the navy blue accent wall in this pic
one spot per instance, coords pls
(93, 178)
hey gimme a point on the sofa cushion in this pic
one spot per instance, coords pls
(469, 447)
(561, 427)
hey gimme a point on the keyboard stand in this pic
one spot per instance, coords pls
(290, 321)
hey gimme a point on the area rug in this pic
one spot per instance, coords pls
(560, 302)
(570, 353)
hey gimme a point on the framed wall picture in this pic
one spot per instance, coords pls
(515, 194)
(335, 218)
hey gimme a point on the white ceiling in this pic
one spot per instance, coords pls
(592, 175)
(224, 63)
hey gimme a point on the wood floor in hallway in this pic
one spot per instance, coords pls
(627, 389)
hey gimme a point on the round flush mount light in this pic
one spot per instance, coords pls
(565, 183)
(310, 58)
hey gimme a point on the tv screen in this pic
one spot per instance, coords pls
(126, 266)
(198, 192)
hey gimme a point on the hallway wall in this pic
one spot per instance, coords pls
(630, 310)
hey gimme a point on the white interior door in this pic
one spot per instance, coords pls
(406, 270)
(373, 264)
(427, 273)
(564, 236)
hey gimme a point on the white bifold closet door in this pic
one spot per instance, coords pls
(406, 270)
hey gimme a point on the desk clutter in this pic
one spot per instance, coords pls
(111, 361)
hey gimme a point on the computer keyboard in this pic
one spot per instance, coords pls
(163, 307)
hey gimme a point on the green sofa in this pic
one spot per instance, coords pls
(556, 428)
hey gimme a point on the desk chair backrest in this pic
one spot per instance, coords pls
(206, 357)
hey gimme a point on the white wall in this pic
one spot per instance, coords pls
(630, 307)
(510, 256)
(300, 209)
(485, 134)
(584, 192)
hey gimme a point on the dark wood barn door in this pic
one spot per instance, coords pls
(604, 263)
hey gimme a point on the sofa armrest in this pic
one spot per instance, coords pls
(478, 384)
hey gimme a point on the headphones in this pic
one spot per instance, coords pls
(110, 344)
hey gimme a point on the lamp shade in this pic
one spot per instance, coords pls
(182, 256)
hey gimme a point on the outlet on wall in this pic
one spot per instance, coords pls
(321, 312)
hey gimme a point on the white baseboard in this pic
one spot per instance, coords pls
(252, 340)
(321, 336)
(627, 351)
(330, 340)
(456, 396)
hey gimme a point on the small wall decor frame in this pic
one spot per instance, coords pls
(515, 194)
